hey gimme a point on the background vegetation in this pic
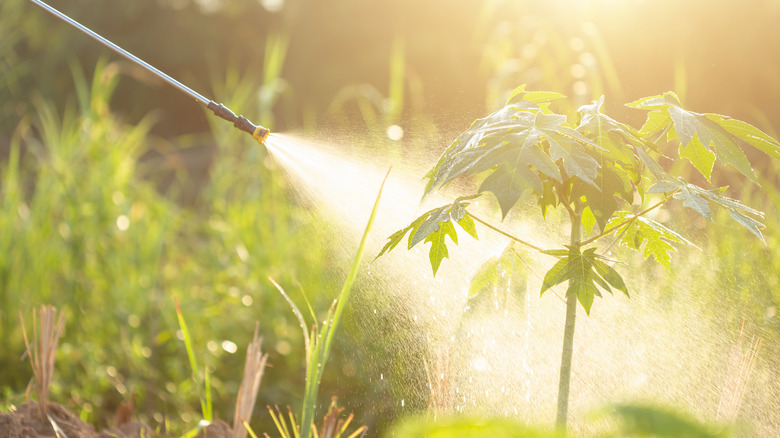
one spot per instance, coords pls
(119, 193)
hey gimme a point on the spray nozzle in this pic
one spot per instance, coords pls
(259, 133)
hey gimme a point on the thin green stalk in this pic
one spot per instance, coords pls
(205, 400)
(504, 233)
(627, 221)
(567, 352)
(324, 340)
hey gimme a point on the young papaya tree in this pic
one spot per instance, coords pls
(593, 167)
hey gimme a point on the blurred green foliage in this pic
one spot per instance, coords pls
(116, 197)
(466, 428)
(633, 420)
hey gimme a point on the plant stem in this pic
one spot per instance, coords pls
(504, 233)
(323, 340)
(627, 221)
(568, 335)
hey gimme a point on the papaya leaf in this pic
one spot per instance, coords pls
(699, 200)
(467, 223)
(749, 134)
(658, 172)
(663, 187)
(507, 183)
(588, 220)
(433, 227)
(507, 272)
(487, 134)
(611, 183)
(576, 161)
(430, 225)
(542, 96)
(610, 275)
(738, 211)
(486, 275)
(657, 121)
(557, 274)
(695, 200)
(585, 290)
(611, 135)
(660, 102)
(438, 242)
(519, 94)
(703, 137)
(548, 198)
(584, 281)
(658, 240)
(398, 236)
(520, 144)
(751, 224)
(701, 157)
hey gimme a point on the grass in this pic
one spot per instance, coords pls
(319, 341)
(81, 230)
(42, 351)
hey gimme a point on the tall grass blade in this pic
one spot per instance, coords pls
(298, 315)
(208, 415)
(324, 341)
(204, 400)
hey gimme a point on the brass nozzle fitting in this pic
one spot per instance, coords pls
(258, 132)
(261, 134)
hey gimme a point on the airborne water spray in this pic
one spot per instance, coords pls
(259, 133)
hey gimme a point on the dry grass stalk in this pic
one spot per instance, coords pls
(250, 385)
(741, 365)
(43, 349)
(334, 427)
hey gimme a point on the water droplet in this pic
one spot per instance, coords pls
(122, 222)
(395, 132)
(402, 403)
(374, 311)
(229, 346)
(381, 376)
(272, 5)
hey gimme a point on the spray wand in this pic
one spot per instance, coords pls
(258, 132)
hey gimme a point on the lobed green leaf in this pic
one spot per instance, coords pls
(586, 272)
(433, 227)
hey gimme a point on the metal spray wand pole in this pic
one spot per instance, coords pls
(258, 132)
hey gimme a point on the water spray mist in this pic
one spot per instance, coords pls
(258, 132)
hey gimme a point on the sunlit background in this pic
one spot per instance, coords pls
(146, 196)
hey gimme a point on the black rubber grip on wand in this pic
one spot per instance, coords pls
(239, 122)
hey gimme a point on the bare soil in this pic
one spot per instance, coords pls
(27, 422)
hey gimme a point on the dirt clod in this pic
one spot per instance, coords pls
(27, 422)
